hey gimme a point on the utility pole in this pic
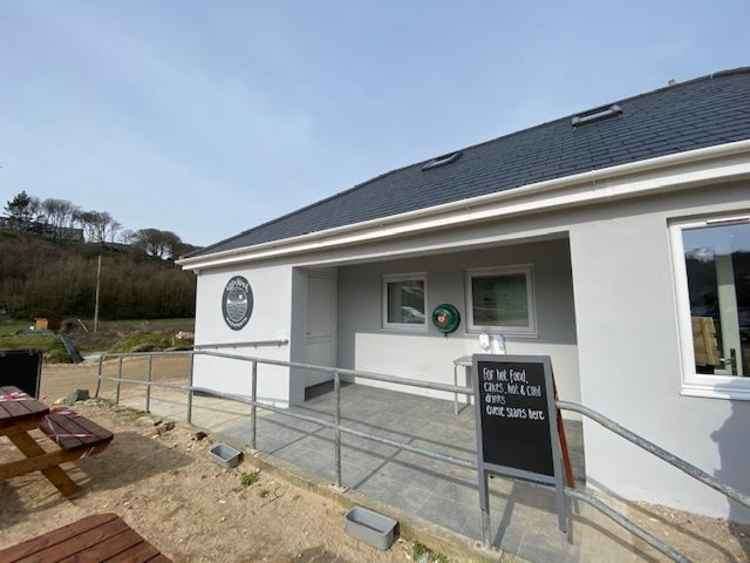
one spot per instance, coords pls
(98, 281)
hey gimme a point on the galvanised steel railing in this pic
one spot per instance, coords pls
(571, 492)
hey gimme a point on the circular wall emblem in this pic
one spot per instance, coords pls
(237, 302)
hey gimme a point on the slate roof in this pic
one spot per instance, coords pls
(706, 111)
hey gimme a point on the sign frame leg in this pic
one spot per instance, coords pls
(484, 507)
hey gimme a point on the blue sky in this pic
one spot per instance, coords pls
(208, 118)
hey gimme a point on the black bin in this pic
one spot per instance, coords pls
(22, 369)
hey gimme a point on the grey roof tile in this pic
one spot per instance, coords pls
(706, 111)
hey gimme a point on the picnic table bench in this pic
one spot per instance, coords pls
(101, 537)
(75, 435)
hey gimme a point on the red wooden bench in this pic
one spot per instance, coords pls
(101, 537)
(77, 437)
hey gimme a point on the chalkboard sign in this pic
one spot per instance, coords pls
(517, 426)
(516, 415)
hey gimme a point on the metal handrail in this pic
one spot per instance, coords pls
(254, 403)
(248, 343)
(626, 523)
(679, 463)
(398, 380)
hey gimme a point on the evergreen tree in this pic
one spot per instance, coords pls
(19, 207)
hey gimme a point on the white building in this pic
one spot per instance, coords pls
(617, 241)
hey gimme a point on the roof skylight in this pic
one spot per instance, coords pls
(596, 114)
(442, 160)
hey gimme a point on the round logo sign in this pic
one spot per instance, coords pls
(237, 302)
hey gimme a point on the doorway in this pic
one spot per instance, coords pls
(321, 320)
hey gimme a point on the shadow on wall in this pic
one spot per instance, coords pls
(732, 440)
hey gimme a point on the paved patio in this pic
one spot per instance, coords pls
(523, 516)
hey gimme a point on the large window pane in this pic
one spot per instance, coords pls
(406, 302)
(500, 300)
(717, 259)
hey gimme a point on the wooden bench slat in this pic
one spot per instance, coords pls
(138, 554)
(34, 545)
(56, 428)
(13, 412)
(15, 408)
(92, 427)
(79, 543)
(72, 431)
(109, 548)
(3, 412)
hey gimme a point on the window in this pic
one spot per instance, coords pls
(712, 273)
(441, 160)
(501, 300)
(597, 114)
(405, 301)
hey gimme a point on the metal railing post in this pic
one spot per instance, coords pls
(455, 393)
(99, 376)
(337, 387)
(149, 358)
(190, 389)
(119, 381)
(253, 407)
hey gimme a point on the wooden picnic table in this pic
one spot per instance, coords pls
(101, 537)
(75, 435)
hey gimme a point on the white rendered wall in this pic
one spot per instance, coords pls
(271, 320)
(364, 343)
(630, 361)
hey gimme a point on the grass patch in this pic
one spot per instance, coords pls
(57, 354)
(263, 493)
(249, 479)
(423, 554)
(53, 348)
(143, 342)
(11, 327)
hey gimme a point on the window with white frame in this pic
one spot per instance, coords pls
(501, 300)
(405, 301)
(712, 273)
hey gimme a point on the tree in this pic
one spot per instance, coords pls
(126, 237)
(59, 213)
(114, 228)
(18, 207)
(150, 241)
(97, 225)
(35, 209)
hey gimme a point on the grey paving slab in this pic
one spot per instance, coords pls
(523, 517)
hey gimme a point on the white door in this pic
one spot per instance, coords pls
(321, 318)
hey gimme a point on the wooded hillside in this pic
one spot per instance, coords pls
(40, 277)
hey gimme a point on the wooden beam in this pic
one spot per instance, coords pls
(39, 460)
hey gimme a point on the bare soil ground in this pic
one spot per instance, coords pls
(172, 492)
(166, 488)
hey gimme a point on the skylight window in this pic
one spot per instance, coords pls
(442, 160)
(604, 112)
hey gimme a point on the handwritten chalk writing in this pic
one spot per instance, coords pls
(518, 375)
(493, 387)
(498, 399)
(533, 391)
(515, 414)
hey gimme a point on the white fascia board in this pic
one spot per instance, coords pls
(718, 163)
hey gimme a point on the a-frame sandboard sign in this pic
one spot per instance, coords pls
(519, 427)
